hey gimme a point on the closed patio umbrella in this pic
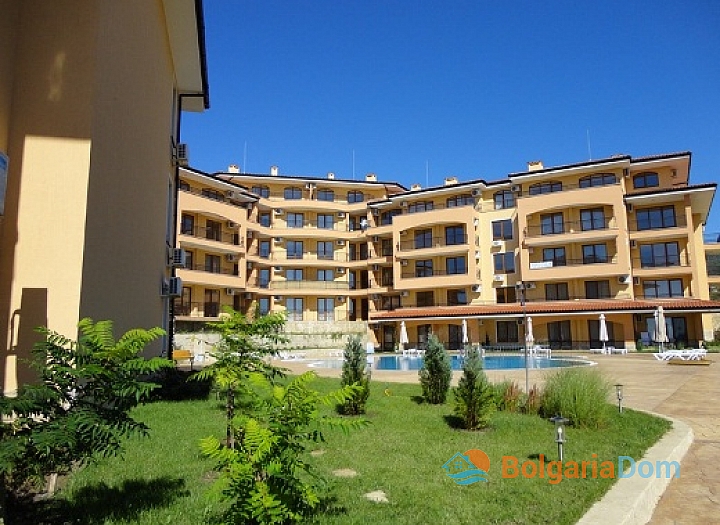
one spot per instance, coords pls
(403, 335)
(603, 331)
(529, 337)
(660, 328)
(465, 338)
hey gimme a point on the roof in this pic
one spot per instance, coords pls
(549, 308)
(299, 178)
(681, 189)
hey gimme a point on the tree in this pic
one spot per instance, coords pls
(436, 372)
(80, 407)
(245, 346)
(474, 395)
(354, 373)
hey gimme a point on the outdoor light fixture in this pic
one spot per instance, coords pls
(520, 287)
(619, 393)
(560, 438)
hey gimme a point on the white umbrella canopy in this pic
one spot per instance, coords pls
(403, 334)
(529, 337)
(603, 331)
(661, 335)
(465, 338)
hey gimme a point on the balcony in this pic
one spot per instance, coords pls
(197, 310)
(670, 227)
(571, 232)
(565, 187)
(204, 237)
(659, 266)
(201, 274)
(309, 285)
(434, 242)
(420, 273)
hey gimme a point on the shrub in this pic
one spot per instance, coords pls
(579, 395)
(474, 399)
(436, 372)
(508, 396)
(354, 373)
(533, 400)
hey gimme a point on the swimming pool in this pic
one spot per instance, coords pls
(492, 362)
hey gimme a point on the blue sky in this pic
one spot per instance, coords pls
(415, 91)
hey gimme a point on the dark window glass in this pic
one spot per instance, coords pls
(455, 265)
(594, 253)
(456, 297)
(556, 292)
(555, 255)
(660, 255)
(646, 180)
(507, 331)
(504, 262)
(502, 230)
(460, 200)
(423, 239)
(326, 222)
(187, 226)
(545, 187)
(294, 274)
(504, 199)
(455, 235)
(424, 268)
(355, 196)
(598, 179)
(417, 207)
(326, 195)
(597, 289)
(425, 298)
(295, 220)
(294, 249)
(593, 219)
(663, 288)
(292, 194)
(261, 191)
(212, 230)
(264, 219)
(559, 334)
(294, 306)
(506, 294)
(551, 223)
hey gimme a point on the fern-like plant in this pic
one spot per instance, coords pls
(354, 372)
(436, 372)
(265, 478)
(474, 396)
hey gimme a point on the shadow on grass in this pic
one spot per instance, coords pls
(94, 504)
(454, 421)
(418, 399)
(176, 385)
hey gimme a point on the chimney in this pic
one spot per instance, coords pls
(535, 165)
(449, 181)
(415, 187)
(233, 168)
(371, 177)
(331, 175)
(274, 171)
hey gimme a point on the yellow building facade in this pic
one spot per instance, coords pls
(562, 245)
(90, 98)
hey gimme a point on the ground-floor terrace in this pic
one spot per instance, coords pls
(557, 324)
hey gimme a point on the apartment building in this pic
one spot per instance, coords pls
(560, 245)
(90, 98)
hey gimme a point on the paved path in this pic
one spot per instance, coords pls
(688, 393)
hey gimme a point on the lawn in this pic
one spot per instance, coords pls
(163, 479)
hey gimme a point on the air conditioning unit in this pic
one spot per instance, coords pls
(405, 294)
(279, 211)
(181, 155)
(231, 257)
(376, 267)
(340, 242)
(498, 278)
(497, 244)
(278, 269)
(404, 204)
(341, 298)
(277, 298)
(308, 186)
(278, 239)
(376, 238)
(341, 214)
(231, 224)
(375, 297)
(633, 244)
(530, 286)
(477, 288)
(230, 291)
(516, 188)
(376, 212)
(174, 287)
(249, 265)
(624, 279)
(178, 258)
(248, 296)
(476, 192)
(340, 269)
(404, 262)
(477, 255)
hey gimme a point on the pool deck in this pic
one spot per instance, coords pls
(688, 393)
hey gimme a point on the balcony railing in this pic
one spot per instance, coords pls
(434, 242)
(597, 259)
(564, 187)
(663, 224)
(429, 273)
(213, 195)
(211, 269)
(196, 309)
(212, 234)
(309, 285)
(258, 283)
(334, 226)
(667, 261)
(582, 226)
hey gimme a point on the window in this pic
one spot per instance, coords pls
(504, 199)
(455, 235)
(390, 302)
(502, 230)
(212, 230)
(189, 260)
(504, 262)
(386, 217)
(654, 218)
(292, 194)
(555, 255)
(187, 224)
(326, 222)
(294, 249)
(355, 196)
(551, 223)
(213, 194)
(455, 337)
(364, 253)
(293, 274)
(423, 239)
(326, 195)
(660, 255)
(295, 220)
(556, 292)
(597, 289)
(507, 331)
(264, 249)
(386, 277)
(663, 288)
(325, 275)
(594, 253)
(648, 179)
(598, 179)
(264, 278)
(424, 268)
(264, 305)
(352, 281)
(294, 307)
(456, 297)
(325, 250)
(593, 219)
(212, 263)
(417, 207)
(545, 187)
(425, 298)
(326, 309)
(559, 335)
(506, 294)
(423, 333)
(264, 219)
(183, 305)
(455, 265)
(211, 307)
(461, 200)
(386, 247)
(261, 191)
(594, 332)
(184, 186)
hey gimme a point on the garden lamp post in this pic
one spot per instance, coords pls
(520, 286)
(619, 394)
(560, 438)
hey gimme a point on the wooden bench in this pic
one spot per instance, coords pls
(183, 355)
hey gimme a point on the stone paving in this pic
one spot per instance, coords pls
(689, 393)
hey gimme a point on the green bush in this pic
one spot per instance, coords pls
(474, 395)
(508, 396)
(354, 373)
(436, 372)
(533, 400)
(580, 395)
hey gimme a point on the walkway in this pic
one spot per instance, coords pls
(688, 393)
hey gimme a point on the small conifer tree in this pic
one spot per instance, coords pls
(474, 395)
(354, 372)
(436, 372)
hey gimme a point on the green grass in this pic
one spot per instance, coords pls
(163, 480)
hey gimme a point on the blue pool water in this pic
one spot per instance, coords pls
(493, 362)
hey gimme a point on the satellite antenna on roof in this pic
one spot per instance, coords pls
(588, 143)
(427, 173)
(244, 165)
(353, 164)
